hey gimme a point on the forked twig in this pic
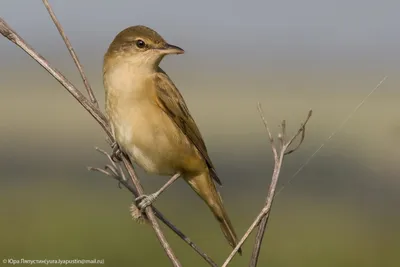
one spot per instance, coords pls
(264, 214)
(72, 53)
(11, 35)
(302, 131)
(285, 145)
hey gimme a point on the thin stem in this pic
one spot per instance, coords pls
(150, 214)
(73, 54)
(285, 144)
(264, 212)
(11, 35)
(270, 198)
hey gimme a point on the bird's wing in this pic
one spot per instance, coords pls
(172, 103)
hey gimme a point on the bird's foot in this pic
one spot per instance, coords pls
(145, 200)
(137, 215)
(116, 155)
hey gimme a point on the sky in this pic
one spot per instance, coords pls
(235, 30)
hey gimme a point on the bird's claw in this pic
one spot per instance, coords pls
(145, 200)
(117, 153)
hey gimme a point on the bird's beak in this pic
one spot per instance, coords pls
(171, 49)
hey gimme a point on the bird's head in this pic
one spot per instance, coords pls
(141, 46)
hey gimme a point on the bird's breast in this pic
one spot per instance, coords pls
(143, 130)
(152, 140)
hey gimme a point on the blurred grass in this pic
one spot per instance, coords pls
(62, 220)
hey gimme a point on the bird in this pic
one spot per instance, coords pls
(151, 122)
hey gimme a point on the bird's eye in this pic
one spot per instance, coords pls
(140, 43)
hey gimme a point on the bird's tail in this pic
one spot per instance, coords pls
(205, 188)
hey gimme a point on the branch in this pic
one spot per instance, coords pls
(285, 145)
(149, 213)
(10, 34)
(264, 214)
(72, 52)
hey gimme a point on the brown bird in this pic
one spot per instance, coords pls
(151, 122)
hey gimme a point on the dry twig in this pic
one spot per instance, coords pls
(284, 146)
(278, 158)
(72, 53)
(10, 34)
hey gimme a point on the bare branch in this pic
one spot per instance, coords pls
(271, 192)
(264, 211)
(72, 52)
(264, 214)
(261, 230)
(11, 35)
(283, 135)
(101, 171)
(149, 213)
(271, 139)
(301, 130)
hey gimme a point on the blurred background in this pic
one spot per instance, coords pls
(342, 209)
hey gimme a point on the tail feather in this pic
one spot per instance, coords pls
(205, 188)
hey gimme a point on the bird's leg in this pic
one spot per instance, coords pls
(145, 200)
(116, 154)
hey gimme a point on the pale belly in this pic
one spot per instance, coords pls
(152, 140)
